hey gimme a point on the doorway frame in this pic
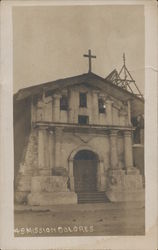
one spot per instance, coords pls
(101, 178)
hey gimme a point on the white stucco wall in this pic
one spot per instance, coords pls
(48, 108)
(98, 144)
(73, 142)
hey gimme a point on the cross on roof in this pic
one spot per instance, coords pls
(90, 56)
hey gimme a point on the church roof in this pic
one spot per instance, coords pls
(93, 80)
(90, 78)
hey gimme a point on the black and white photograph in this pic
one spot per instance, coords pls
(79, 133)
(79, 120)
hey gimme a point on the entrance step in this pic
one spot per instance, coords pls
(95, 197)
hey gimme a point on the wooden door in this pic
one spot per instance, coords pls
(85, 175)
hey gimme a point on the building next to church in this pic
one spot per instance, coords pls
(73, 142)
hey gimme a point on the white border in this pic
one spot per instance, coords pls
(7, 239)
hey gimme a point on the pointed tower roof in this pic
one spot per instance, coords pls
(124, 79)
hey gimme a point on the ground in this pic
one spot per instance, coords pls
(81, 219)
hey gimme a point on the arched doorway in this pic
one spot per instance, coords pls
(85, 165)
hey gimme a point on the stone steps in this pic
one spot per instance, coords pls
(94, 197)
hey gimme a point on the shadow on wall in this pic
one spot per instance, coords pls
(22, 127)
(138, 154)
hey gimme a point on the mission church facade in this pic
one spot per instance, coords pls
(79, 146)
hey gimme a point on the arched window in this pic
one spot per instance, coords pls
(101, 105)
(64, 103)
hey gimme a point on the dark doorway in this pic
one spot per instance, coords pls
(85, 171)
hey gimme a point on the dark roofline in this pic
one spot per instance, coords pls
(119, 88)
(56, 85)
(51, 82)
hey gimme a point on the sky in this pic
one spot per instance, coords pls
(49, 42)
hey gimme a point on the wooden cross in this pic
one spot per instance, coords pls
(90, 56)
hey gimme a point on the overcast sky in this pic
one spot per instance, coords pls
(49, 42)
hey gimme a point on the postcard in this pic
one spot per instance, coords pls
(79, 125)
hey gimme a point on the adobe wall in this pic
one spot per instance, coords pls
(69, 142)
(27, 168)
(48, 108)
(97, 143)
(22, 126)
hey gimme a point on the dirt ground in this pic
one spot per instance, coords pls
(80, 220)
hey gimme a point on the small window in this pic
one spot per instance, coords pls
(102, 106)
(63, 103)
(83, 100)
(83, 119)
